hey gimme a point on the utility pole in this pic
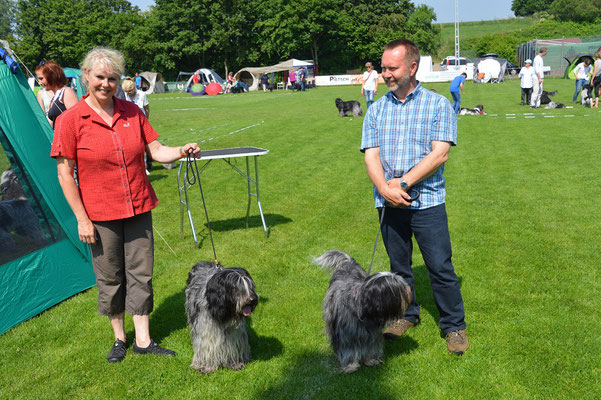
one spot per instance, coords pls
(457, 31)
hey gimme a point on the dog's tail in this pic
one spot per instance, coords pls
(334, 260)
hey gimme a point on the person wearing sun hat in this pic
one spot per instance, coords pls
(527, 76)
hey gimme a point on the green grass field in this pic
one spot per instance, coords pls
(522, 199)
(475, 29)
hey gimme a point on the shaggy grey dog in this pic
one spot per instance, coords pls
(357, 307)
(352, 107)
(218, 300)
(17, 216)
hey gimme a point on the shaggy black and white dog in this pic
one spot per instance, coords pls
(357, 307)
(218, 300)
(586, 95)
(478, 110)
(545, 97)
(10, 188)
(352, 107)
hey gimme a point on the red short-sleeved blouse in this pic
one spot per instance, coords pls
(110, 159)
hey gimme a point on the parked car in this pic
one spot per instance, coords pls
(452, 61)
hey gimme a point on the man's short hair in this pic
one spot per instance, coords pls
(542, 50)
(411, 50)
(464, 74)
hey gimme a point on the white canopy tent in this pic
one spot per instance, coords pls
(251, 75)
(489, 70)
(152, 82)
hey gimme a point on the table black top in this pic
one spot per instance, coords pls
(231, 152)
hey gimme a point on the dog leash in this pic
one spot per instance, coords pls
(373, 254)
(192, 178)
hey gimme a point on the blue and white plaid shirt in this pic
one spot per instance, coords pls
(404, 133)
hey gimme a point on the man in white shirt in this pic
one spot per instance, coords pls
(370, 84)
(581, 72)
(537, 88)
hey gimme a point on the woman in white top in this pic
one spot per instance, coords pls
(54, 96)
(370, 84)
(527, 76)
(596, 78)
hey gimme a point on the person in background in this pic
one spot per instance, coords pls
(581, 73)
(527, 77)
(141, 100)
(264, 82)
(537, 87)
(138, 80)
(55, 96)
(196, 78)
(107, 138)
(292, 79)
(596, 78)
(407, 137)
(369, 88)
(456, 85)
(302, 78)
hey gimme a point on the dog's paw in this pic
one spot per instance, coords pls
(237, 366)
(203, 369)
(350, 368)
(372, 363)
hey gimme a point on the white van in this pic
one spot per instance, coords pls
(452, 61)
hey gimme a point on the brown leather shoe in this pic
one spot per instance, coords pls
(397, 328)
(457, 342)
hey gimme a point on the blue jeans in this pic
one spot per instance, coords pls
(456, 102)
(369, 97)
(579, 85)
(431, 230)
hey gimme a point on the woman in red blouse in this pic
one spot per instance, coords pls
(107, 138)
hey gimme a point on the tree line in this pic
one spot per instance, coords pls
(562, 10)
(224, 35)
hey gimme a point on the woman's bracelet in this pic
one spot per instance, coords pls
(181, 151)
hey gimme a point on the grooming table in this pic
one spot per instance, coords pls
(225, 155)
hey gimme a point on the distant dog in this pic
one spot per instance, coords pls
(545, 97)
(10, 188)
(356, 308)
(555, 105)
(17, 216)
(352, 107)
(218, 300)
(478, 110)
(586, 95)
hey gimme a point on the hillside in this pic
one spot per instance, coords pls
(474, 29)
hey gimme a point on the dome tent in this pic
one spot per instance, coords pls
(152, 82)
(489, 69)
(44, 266)
(572, 63)
(206, 76)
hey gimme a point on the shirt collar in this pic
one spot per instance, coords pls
(119, 109)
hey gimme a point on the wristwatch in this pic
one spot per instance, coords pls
(404, 185)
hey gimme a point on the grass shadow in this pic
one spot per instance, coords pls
(254, 221)
(168, 317)
(314, 375)
(157, 176)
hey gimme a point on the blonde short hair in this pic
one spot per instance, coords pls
(369, 65)
(128, 85)
(103, 57)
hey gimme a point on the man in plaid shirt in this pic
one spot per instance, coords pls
(407, 135)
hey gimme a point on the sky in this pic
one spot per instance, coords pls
(469, 10)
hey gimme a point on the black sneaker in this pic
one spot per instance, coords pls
(117, 352)
(153, 348)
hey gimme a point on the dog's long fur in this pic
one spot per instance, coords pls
(352, 107)
(478, 110)
(218, 300)
(545, 97)
(356, 308)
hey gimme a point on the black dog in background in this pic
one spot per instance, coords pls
(352, 107)
(586, 95)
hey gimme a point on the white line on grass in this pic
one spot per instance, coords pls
(231, 133)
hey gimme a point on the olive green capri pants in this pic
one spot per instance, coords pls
(123, 259)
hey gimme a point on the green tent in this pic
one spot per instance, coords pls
(573, 62)
(75, 75)
(42, 260)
